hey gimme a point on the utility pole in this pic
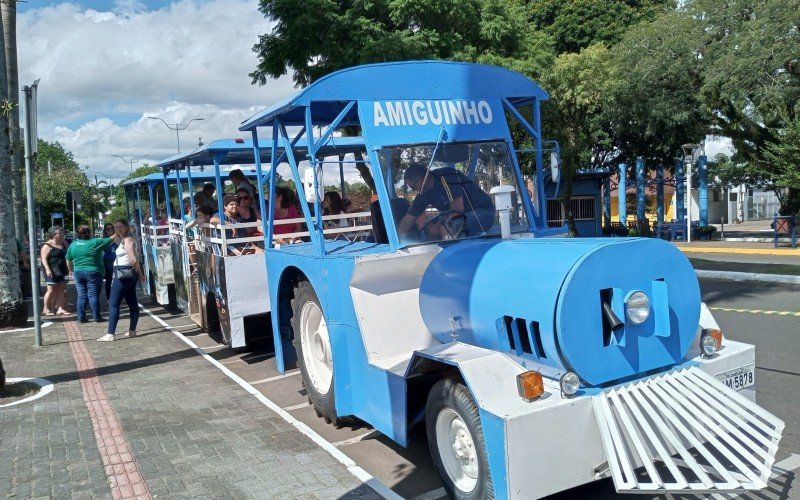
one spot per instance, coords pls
(31, 141)
(177, 127)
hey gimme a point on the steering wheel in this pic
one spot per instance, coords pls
(453, 225)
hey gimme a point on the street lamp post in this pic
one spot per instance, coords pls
(130, 162)
(177, 127)
(688, 157)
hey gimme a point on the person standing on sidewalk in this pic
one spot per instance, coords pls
(108, 258)
(55, 271)
(127, 273)
(85, 260)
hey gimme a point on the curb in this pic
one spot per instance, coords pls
(755, 239)
(737, 276)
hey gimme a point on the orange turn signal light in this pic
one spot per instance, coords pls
(716, 335)
(530, 385)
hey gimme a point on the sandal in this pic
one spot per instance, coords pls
(129, 335)
(63, 312)
(48, 313)
(106, 338)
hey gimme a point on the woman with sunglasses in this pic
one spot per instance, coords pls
(247, 213)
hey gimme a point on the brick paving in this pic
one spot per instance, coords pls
(188, 430)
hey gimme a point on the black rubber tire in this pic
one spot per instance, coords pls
(324, 404)
(453, 394)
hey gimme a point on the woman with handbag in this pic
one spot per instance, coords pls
(54, 262)
(127, 273)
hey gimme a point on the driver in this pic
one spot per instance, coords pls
(447, 190)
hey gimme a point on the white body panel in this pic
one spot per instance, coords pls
(385, 292)
(552, 443)
(246, 290)
(557, 444)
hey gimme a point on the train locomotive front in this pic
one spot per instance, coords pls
(632, 368)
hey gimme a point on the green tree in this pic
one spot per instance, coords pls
(13, 311)
(576, 24)
(316, 37)
(752, 79)
(8, 12)
(657, 74)
(783, 158)
(118, 211)
(55, 172)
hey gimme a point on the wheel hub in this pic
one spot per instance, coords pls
(316, 347)
(457, 450)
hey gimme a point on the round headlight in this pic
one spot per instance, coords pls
(637, 307)
(570, 383)
(708, 345)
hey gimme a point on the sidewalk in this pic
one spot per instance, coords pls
(744, 260)
(148, 417)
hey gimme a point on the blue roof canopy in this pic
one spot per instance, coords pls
(406, 80)
(240, 152)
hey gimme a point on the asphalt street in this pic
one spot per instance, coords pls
(409, 471)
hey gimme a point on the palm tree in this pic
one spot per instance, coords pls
(8, 11)
(13, 311)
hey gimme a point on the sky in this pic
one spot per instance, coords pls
(105, 67)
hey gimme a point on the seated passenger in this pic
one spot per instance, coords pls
(206, 196)
(332, 204)
(284, 209)
(449, 191)
(230, 207)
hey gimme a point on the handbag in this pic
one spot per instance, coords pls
(124, 272)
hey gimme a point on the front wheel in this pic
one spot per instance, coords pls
(455, 438)
(314, 353)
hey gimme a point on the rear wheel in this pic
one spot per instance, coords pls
(314, 353)
(455, 438)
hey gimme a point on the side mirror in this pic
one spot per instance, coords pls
(308, 185)
(555, 167)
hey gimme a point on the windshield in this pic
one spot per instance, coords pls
(442, 192)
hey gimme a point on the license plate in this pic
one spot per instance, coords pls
(738, 378)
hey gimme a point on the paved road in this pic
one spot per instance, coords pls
(409, 471)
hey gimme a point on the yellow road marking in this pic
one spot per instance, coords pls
(756, 311)
(747, 251)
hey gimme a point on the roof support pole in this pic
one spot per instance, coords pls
(533, 217)
(220, 192)
(312, 161)
(191, 190)
(181, 209)
(331, 128)
(167, 204)
(289, 151)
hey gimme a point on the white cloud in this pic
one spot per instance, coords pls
(103, 73)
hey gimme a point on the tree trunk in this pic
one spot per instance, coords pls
(8, 9)
(13, 311)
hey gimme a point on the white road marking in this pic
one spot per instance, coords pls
(786, 465)
(46, 387)
(297, 407)
(354, 469)
(290, 373)
(214, 347)
(431, 495)
(357, 439)
(44, 325)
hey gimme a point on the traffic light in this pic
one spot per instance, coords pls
(74, 197)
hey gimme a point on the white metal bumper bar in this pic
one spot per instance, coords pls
(685, 432)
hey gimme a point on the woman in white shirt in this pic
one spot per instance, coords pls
(127, 273)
